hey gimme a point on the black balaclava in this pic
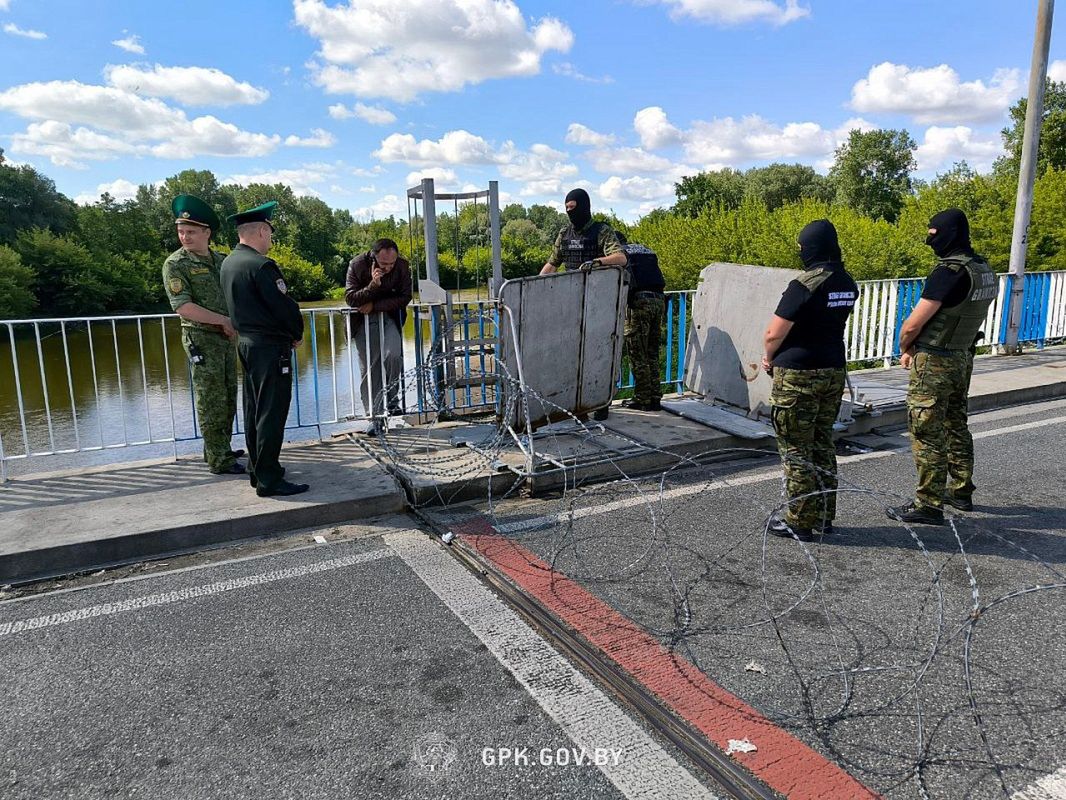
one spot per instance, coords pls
(818, 243)
(581, 214)
(952, 233)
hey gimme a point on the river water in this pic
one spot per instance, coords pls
(98, 386)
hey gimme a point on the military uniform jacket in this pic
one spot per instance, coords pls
(189, 278)
(257, 298)
(573, 247)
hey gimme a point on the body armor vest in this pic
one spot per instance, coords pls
(579, 247)
(956, 328)
(643, 267)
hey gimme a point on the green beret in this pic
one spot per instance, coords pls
(191, 209)
(261, 213)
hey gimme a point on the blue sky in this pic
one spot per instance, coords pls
(355, 100)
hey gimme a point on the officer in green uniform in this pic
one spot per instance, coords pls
(269, 325)
(806, 357)
(584, 244)
(937, 342)
(191, 281)
(645, 306)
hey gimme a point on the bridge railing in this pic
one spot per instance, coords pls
(73, 385)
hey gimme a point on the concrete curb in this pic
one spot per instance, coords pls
(33, 565)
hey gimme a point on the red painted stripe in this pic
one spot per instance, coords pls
(782, 761)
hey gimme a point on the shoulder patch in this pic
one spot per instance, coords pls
(175, 285)
(281, 286)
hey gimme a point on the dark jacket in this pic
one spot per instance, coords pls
(391, 296)
(257, 298)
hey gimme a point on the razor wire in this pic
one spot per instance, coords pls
(729, 597)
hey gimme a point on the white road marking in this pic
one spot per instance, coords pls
(1025, 426)
(585, 713)
(1050, 787)
(742, 480)
(190, 593)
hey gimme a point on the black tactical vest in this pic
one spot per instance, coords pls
(581, 247)
(643, 267)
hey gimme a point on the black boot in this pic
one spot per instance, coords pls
(961, 503)
(779, 527)
(920, 515)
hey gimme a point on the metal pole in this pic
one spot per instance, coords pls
(429, 225)
(494, 238)
(1034, 114)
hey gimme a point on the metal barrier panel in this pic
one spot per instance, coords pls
(568, 347)
(72, 385)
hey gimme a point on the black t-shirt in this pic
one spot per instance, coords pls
(947, 286)
(816, 340)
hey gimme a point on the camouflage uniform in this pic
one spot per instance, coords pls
(606, 244)
(644, 319)
(805, 404)
(936, 415)
(188, 278)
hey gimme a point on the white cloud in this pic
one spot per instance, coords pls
(654, 129)
(120, 189)
(1056, 70)
(580, 135)
(942, 147)
(568, 70)
(934, 94)
(5, 5)
(628, 159)
(455, 147)
(732, 142)
(12, 29)
(736, 12)
(541, 171)
(439, 175)
(380, 48)
(126, 124)
(70, 147)
(375, 115)
(318, 138)
(636, 188)
(131, 44)
(302, 180)
(197, 86)
(389, 205)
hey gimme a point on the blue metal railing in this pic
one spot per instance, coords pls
(150, 399)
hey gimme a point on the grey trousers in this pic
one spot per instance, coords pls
(377, 385)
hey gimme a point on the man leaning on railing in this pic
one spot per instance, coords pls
(378, 287)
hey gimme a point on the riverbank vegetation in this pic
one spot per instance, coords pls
(61, 258)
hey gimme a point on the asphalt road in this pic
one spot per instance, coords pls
(329, 671)
(927, 661)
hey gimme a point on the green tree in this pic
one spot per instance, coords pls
(548, 220)
(70, 282)
(304, 280)
(16, 286)
(1052, 150)
(872, 172)
(778, 184)
(28, 199)
(723, 188)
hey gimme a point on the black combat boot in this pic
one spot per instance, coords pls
(920, 515)
(961, 503)
(779, 527)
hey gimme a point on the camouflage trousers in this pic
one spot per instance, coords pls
(805, 404)
(214, 385)
(936, 415)
(643, 328)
